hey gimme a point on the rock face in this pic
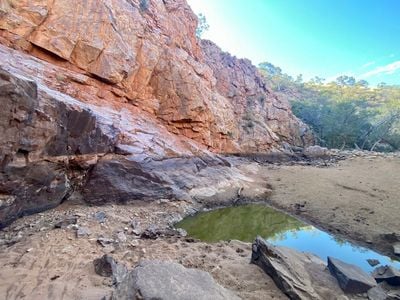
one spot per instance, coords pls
(148, 54)
(350, 277)
(33, 126)
(167, 280)
(299, 275)
(262, 118)
(119, 101)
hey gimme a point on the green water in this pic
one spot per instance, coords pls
(242, 223)
(246, 222)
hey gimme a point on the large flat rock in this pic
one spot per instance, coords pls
(350, 277)
(299, 275)
(170, 281)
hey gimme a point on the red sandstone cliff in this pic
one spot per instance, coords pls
(148, 55)
(117, 100)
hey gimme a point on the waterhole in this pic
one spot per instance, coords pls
(245, 222)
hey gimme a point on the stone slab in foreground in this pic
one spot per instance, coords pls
(170, 281)
(299, 275)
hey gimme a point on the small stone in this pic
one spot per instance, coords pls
(109, 249)
(181, 232)
(134, 243)
(151, 232)
(396, 249)
(100, 216)
(106, 266)
(105, 241)
(29, 250)
(82, 232)
(66, 222)
(373, 262)
(137, 231)
(121, 237)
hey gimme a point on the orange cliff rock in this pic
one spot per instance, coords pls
(145, 54)
(118, 101)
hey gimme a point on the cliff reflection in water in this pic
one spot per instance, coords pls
(242, 223)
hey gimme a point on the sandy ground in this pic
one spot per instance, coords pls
(357, 198)
(51, 263)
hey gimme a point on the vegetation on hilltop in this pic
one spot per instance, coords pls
(345, 113)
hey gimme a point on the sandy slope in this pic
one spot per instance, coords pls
(359, 198)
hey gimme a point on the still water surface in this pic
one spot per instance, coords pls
(245, 222)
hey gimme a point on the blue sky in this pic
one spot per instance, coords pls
(325, 38)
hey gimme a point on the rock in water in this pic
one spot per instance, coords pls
(299, 275)
(373, 262)
(106, 266)
(350, 277)
(388, 274)
(167, 281)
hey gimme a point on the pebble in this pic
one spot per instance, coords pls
(100, 216)
(82, 232)
(121, 237)
(109, 249)
(396, 249)
(104, 241)
(134, 243)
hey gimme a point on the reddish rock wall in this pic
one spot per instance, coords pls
(145, 53)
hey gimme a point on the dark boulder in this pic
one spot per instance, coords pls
(350, 277)
(388, 274)
(299, 275)
(122, 180)
(106, 266)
